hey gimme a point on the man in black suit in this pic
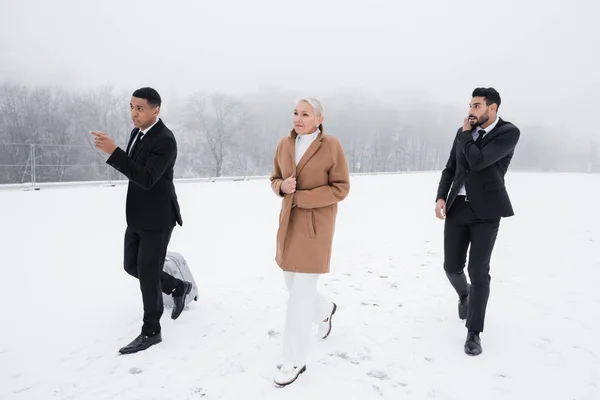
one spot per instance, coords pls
(152, 211)
(472, 198)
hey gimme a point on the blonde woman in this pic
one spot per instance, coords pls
(311, 174)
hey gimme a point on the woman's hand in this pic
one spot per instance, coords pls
(288, 186)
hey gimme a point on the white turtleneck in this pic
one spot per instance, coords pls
(303, 142)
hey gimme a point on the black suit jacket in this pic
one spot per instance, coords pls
(151, 199)
(481, 168)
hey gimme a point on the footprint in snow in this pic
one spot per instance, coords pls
(199, 392)
(382, 376)
(362, 303)
(22, 390)
(378, 390)
(135, 371)
(345, 356)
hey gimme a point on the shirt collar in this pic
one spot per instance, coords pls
(309, 136)
(151, 126)
(489, 128)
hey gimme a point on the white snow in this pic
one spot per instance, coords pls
(69, 306)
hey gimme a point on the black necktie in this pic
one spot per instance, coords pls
(481, 133)
(137, 139)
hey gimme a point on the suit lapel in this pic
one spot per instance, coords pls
(145, 139)
(312, 149)
(133, 133)
(497, 129)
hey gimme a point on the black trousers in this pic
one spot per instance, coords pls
(144, 259)
(463, 228)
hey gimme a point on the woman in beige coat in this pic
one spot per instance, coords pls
(311, 174)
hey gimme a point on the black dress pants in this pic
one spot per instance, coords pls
(144, 259)
(463, 228)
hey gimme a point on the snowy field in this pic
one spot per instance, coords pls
(69, 306)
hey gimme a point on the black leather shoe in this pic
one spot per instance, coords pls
(473, 344)
(179, 299)
(142, 342)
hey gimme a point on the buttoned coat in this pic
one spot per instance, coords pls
(307, 218)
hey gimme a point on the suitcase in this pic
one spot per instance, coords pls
(176, 266)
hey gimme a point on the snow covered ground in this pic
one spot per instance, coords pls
(69, 306)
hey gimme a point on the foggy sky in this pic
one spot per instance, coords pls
(542, 56)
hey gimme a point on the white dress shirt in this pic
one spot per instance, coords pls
(143, 134)
(475, 134)
(303, 142)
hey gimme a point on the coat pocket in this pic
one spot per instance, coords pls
(310, 220)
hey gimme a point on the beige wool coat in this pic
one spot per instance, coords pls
(307, 217)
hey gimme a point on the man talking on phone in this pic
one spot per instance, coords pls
(151, 209)
(472, 198)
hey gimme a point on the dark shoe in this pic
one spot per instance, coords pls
(142, 342)
(324, 328)
(463, 305)
(179, 298)
(473, 344)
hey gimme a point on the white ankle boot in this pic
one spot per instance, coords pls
(324, 328)
(287, 374)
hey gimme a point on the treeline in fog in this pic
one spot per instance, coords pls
(224, 135)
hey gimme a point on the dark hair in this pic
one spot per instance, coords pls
(491, 95)
(149, 95)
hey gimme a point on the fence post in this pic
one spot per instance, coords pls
(33, 177)
(109, 177)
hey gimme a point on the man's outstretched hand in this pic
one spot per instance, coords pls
(103, 142)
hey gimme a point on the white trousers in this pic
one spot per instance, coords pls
(305, 305)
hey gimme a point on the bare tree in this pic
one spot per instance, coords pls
(41, 117)
(222, 135)
(107, 110)
(267, 118)
(15, 153)
(218, 117)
